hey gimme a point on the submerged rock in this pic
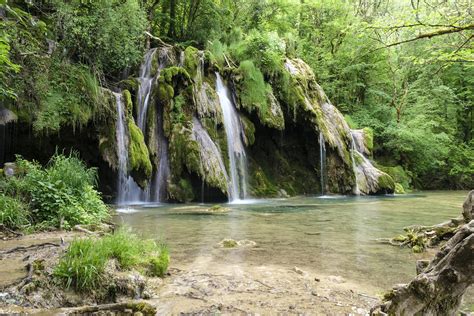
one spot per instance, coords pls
(231, 243)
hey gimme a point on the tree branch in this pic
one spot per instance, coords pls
(433, 34)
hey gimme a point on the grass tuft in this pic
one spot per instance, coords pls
(83, 266)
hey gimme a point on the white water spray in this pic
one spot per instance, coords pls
(235, 146)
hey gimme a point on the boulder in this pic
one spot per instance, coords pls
(468, 207)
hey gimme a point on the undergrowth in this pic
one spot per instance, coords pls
(60, 195)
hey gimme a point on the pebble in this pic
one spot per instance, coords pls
(336, 279)
(298, 270)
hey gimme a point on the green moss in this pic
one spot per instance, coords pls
(252, 93)
(350, 121)
(385, 181)
(399, 188)
(139, 158)
(261, 185)
(257, 96)
(249, 130)
(229, 243)
(181, 190)
(191, 60)
(142, 307)
(169, 74)
(127, 98)
(399, 175)
(369, 139)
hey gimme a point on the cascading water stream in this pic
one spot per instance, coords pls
(354, 166)
(144, 91)
(124, 182)
(322, 158)
(235, 146)
(154, 191)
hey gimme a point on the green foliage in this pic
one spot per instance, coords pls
(265, 50)
(13, 213)
(7, 67)
(106, 34)
(83, 265)
(60, 195)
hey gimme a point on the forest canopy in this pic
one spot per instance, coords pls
(405, 69)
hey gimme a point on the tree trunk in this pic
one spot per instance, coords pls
(438, 289)
(172, 27)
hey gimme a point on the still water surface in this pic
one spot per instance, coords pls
(331, 235)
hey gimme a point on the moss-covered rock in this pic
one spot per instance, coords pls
(249, 130)
(369, 139)
(106, 130)
(260, 185)
(399, 175)
(371, 180)
(256, 96)
(181, 191)
(191, 59)
(138, 155)
(399, 188)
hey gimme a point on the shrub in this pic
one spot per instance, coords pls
(60, 195)
(13, 213)
(83, 266)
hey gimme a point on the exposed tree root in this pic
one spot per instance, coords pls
(440, 284)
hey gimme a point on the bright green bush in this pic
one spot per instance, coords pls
(60, 195)
(83, 266)
(13, 213)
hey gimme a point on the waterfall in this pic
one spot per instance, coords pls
(156, 190)
(144, 91)
(354, 166)
(235, 146)
(322, 158)
(126, 187)
(160, 178)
